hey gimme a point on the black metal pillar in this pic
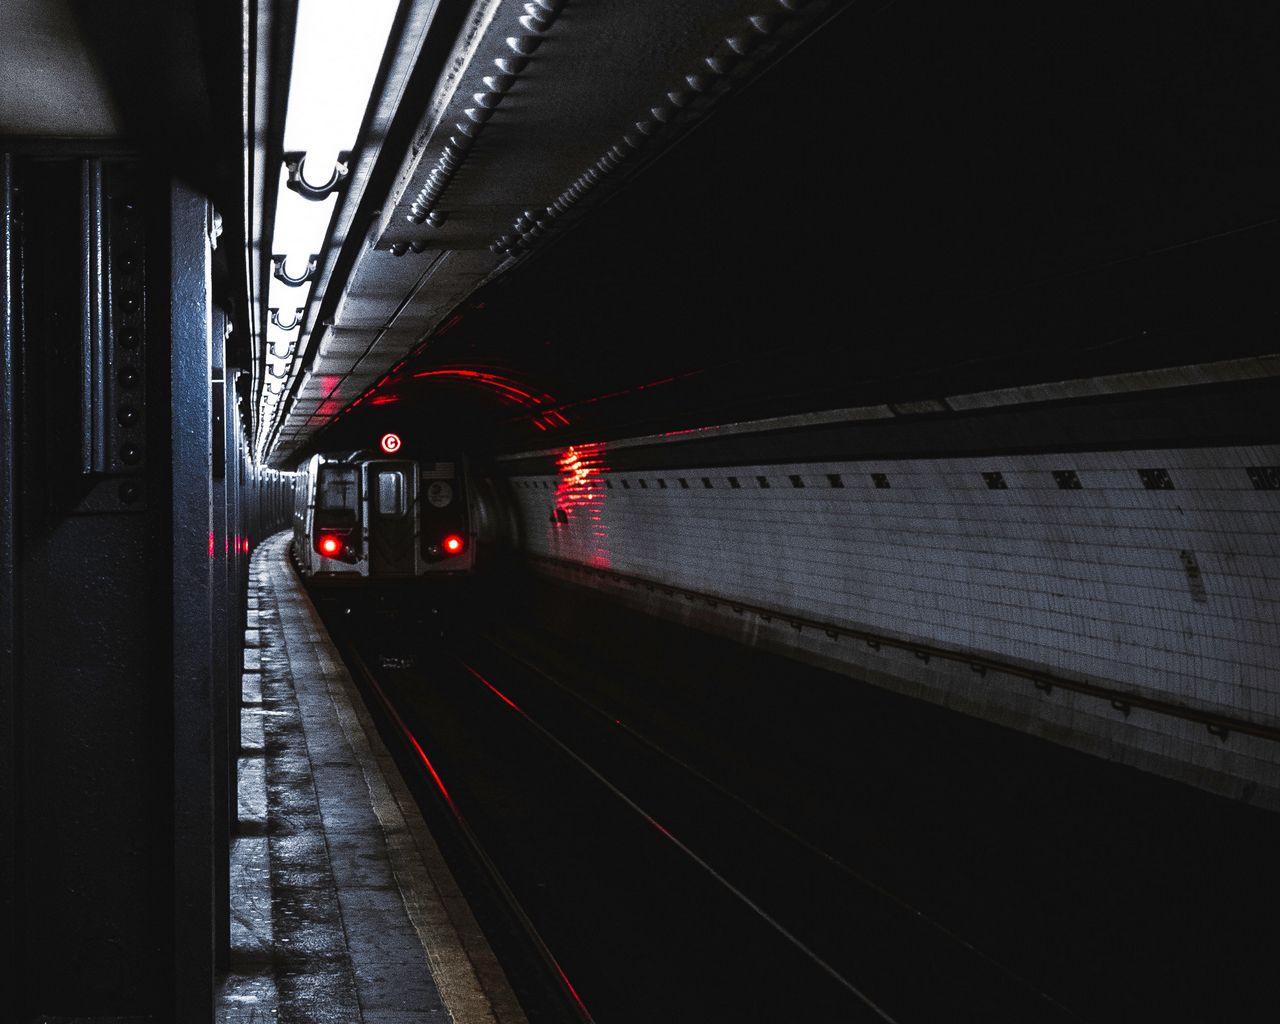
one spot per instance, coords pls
(219, 632)
(193, 551)
(233, 645)
(9, 816)
(89, 451)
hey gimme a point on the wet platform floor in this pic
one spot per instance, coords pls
(342, 908)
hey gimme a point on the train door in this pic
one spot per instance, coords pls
(444, 515)
(392, 489)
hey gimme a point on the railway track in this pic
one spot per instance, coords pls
(651, 890)
(678, 829)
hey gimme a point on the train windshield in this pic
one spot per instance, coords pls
(337, 493)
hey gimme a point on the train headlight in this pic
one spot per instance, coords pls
(337, 543)
(340, 544)
(453, 544)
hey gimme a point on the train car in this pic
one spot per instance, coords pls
(361, 516)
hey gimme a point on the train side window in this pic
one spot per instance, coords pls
(390, 491)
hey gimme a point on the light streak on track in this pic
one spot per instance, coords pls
(474, 842)
(763, 914)
(817, 851)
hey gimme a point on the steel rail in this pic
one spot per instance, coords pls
(476, 848)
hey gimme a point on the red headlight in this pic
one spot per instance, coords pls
(329, 545)
(453, 544)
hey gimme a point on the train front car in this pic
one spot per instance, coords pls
(363, 518)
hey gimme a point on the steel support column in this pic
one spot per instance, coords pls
(8, 595)
(224, 757)
(193, 548)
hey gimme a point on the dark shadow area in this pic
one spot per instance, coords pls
(920, 201)
(945, 866)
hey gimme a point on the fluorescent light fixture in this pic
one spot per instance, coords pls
(280, 356)
(279, 337)
(282, 296)
(300, 227)
(337, 49)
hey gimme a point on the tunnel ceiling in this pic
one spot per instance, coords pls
(49, 83)
(875, 203)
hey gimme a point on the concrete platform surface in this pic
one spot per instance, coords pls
(342, 906)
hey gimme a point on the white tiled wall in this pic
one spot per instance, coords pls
(1089, 583)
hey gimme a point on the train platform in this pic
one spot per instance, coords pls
(342, 907)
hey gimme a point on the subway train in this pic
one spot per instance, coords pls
(360, 516)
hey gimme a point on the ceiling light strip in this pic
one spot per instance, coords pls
(338, 48)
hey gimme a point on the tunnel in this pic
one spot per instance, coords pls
(581, 510)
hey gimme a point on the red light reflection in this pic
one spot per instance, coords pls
(422, 754)
(507, 389)
(555, 416)
(582, 1007)
(545, 414)
(580, 492)
(502, 385)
